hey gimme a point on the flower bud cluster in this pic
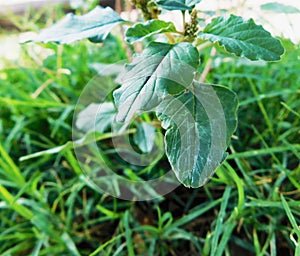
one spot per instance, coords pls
(191, 28)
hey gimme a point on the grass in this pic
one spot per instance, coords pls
(48, 207)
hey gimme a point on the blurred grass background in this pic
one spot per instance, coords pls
(47, 207)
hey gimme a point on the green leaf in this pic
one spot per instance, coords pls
(6, 196)
(85, 140)
(96, 117)
(94, 25)
(290, 216)
(279, 8)
(159, 70)
(70, 244)
(243, 38)
(178, 4)
(149, 28)
(144, 137)
(199, 126)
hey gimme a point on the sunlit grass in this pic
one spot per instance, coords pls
(48, 207)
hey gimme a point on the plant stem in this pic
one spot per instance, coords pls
(171, 38)
(208, 65)
(118, 6)
(183, 20)
(204, 45)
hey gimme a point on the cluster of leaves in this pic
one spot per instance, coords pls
(162, 76)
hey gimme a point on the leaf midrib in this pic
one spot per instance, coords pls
(238, 41)
(149, 77)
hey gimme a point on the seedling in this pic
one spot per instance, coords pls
(199, 118)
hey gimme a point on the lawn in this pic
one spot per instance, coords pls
(48, 206)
